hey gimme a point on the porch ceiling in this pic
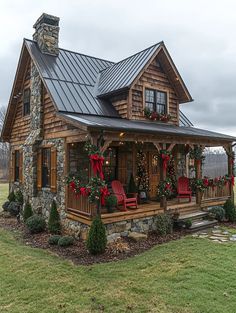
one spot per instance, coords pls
(123, 125)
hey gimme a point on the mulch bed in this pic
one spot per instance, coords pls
(78, 254)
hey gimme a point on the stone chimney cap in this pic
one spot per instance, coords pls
(47, 19)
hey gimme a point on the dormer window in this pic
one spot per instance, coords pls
(26, 102)
(156, 101)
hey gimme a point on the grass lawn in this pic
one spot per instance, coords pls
(188, 275)
(3, 193)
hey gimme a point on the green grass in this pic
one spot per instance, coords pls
(3, 193)
(184, 276)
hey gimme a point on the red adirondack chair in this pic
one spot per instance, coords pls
(121, 197)
(183, 188)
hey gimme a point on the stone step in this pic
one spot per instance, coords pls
(203, 224)
(193, 215)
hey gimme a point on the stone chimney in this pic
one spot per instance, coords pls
(46, 34)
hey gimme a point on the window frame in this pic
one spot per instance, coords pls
(17, 166)
(155, 102)
(46, 182)
(26, 102)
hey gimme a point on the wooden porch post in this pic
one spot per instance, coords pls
(198, 169)
(230, 170)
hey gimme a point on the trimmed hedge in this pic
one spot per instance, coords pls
(230, 212)
(164, 224)
(65, 241)
(36, 224)
(218, 212)
(53, 240)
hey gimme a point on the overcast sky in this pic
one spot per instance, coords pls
(200, 36)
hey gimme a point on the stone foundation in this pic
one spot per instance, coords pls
(113, 230)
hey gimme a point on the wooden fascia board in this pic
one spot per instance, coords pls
(173, 66)
(4, 128)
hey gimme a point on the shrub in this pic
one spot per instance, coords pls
(19, 197)
(11, 197)
(188, 223)
(97, 239)
(164, 224)
(230, 212)
(36, 224)
(27, 211)
(111, 202)
(13, 208)
(54, 224)
(65, 241)
(53, 240)
(218, 212)
(6, 205)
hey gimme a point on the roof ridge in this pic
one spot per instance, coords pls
(83, 54)
(132, 55)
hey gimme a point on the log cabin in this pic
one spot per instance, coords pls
(61, 99)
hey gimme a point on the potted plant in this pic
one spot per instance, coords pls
(111, 203)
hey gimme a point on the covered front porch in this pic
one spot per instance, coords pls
(122, 159)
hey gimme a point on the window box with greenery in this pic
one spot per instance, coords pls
(156, 105)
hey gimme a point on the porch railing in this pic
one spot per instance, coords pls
(217, 192)
(79, 205)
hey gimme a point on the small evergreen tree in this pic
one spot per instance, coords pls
(230, 212)
(97, 239)
(12, 197)
(19, 197)
(132, 188)
(54, 224)
(28, 212)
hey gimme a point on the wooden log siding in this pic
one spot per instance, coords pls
(120, 102)
(51, 122)
(21, 124)
(153, 77)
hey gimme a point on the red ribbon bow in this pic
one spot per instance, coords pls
(97, 163)
(165, 158)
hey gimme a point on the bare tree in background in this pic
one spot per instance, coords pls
(4, 149)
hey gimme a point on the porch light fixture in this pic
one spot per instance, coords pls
(122, 134)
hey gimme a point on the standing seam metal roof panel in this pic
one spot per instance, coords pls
(120, 75)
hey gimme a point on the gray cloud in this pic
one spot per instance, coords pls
(198, 34)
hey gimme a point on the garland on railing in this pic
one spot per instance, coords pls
(155, 116)
(96, 189)
(206, 183)
(165, 189)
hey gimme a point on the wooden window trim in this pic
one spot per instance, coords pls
(161, 89)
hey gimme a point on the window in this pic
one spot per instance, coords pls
(110, 164)
(26, 102)
(156, 100)
(17, 165)
(46, 167)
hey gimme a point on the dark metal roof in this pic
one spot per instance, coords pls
(121, 75)
(120, 124)
(70, 79)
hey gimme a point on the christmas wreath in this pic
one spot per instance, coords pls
(165, 189)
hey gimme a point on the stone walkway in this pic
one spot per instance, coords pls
(216, 234)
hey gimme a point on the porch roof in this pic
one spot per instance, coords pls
(120, 124)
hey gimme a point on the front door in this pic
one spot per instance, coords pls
(154, 173)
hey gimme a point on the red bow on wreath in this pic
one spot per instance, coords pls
(97, 163)
(104, 193)
(165, 159)
(168, 186)
(84, 191)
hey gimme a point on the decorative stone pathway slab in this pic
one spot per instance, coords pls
(216, 235)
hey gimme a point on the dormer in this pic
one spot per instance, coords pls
(145, 86)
